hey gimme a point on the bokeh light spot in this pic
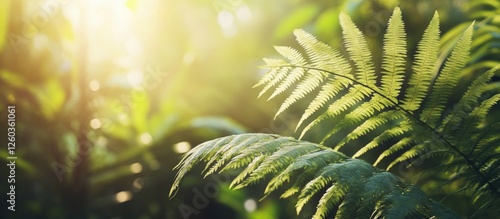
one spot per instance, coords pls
(95, 123)
(94, 85)
(188, 58)
(122, 117)
(244, 14)
(182, 147)
(101, 141)
(123, 196)
(250, 205)
(145, 138)
(136, 168)
(226, 22)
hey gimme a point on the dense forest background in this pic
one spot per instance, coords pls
(110, 94)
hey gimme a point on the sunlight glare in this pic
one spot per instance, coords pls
(135, 78)
(250, 205)
(122, 117)
(244, 14)
(188, 58)
(182, 147)
(123, 196)
(95, 123)
(226, 22)
(101, 141)
(135, 168)
(146, 138)
(94, 85)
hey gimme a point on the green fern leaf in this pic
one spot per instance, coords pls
(400, 145)
(280, 74)
(322, 55)
(370, 125)
(355, 95)
(394, 56)
(358, 50)
(362, 112)
(399, 130)
(312, 81)
(328, 91)
(295, 59)
(425, 59)
(447, 79)
(271, 74)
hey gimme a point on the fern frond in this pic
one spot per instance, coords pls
(398, 130)
(252, 166)
(341, 175)
(468, 100)
(355, 95)
(324, 57)
(425, 60)
(253, 151)
(394, 56)
(476, 117)
(487, 143)
(328, 91)
(316, 167)
(351, 203)
(356, 116)
(313, 79)
(279, 75)
(447, 79)
(410, 154)
(278, 161)
(271, 74)
(321, 55)
(370, 125)
(400, 145)
(295, 75)
(307, 164)
(358, 50)
(222, 156)
(376, 186)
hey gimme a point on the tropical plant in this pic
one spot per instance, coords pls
(398, 119)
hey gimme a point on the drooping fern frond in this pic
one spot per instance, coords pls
(427, 121)
(354, 188)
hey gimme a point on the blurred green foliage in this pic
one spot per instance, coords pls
(104, 91)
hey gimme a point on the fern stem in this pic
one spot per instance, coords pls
(396, 105)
